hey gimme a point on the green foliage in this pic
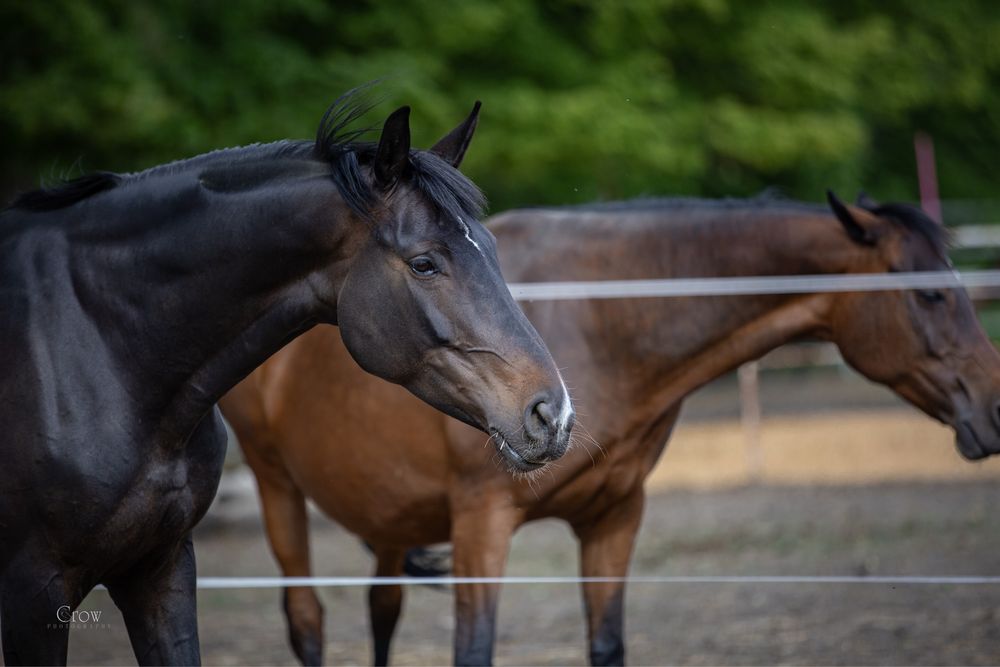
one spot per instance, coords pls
(583, 99)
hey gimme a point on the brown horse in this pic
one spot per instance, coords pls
(398, 474)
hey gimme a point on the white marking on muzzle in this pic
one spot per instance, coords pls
(567, 407)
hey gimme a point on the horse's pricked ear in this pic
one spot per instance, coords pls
(451, 148)
(854, 229)
(393, 153)
(865, 202)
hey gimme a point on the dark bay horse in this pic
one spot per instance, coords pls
(131, 303)
(311, 427)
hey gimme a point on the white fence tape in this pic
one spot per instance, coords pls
(281, 582)
(744, 285)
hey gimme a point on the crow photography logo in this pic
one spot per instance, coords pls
(80, 619)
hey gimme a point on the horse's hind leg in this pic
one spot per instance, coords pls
(385, 602)
(605, 550)
(158, 601)
(36, 600)
(287, 526)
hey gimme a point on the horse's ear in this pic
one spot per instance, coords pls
(393, 153)
(865, 202)
(452, 146)
(858, 232)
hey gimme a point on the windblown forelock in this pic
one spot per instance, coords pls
(454, 196)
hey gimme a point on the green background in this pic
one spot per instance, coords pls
(582, 100)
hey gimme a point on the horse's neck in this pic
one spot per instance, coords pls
(213, 288)
(699, 339)
(666, 348)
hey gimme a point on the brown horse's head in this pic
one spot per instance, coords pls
(927, 345)
(424, 303)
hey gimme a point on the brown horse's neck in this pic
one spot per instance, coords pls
(771, 328)
(665, 348)
(728, 331)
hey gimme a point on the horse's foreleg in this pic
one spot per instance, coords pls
(36, 603)
(158, 602)
(605, 550)
(287, 526)
(385, 602)
(481, 540)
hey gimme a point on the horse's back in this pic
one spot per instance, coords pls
(555, 244)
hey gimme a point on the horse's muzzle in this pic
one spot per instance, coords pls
(547, 424)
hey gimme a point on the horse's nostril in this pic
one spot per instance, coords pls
(996, 415)
(540, 418)
(544, 412)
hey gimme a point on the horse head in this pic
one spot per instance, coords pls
(929, 347)
(424, 304)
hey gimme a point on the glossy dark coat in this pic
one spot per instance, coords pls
(130, 304)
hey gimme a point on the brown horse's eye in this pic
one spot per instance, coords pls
(423, 266)
(931, 296)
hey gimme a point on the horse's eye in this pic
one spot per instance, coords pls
(931, 296)
(423, 266)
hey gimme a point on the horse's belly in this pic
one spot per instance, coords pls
(393, 505)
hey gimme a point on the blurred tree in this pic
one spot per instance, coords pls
(583, 99)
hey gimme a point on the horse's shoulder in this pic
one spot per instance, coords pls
(41, 318)
(20, 230)
(33, 260)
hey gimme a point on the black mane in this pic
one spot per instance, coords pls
(50, 198)
(916, 221)
(337, 145)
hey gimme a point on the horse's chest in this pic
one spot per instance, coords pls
(164, 502)
(591, 487)
(154, 505)
(178, 485)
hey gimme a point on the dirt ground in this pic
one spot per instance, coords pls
(913, 508)
(845, 481)
(947, 528)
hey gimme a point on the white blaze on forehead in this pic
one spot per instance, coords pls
(468, 235)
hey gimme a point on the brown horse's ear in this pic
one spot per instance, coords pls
(393, 152)
(858, 232)
(451, 148)
(865, 202)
